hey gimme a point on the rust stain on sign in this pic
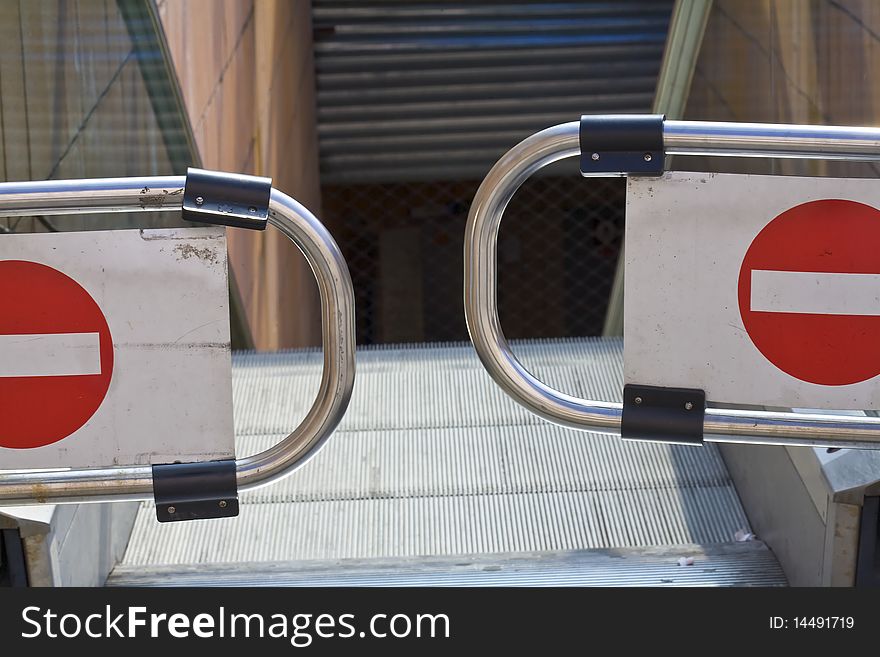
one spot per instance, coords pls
(187, 251)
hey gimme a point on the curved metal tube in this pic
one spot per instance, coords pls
(680, 137)
(338, 337)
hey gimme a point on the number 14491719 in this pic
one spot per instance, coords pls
(812, 622)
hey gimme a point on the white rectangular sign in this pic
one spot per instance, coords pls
(114, 348)
(761, 290)
(815, 293)
(50, 354)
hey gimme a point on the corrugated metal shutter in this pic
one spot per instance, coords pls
(420, 90)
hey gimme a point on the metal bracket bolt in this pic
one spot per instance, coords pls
(621, 144)
(226, 199)
(663, 414)
(192, 491)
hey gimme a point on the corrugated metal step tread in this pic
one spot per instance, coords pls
(742, 564)
(433, 460)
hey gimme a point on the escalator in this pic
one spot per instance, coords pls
(436, 478)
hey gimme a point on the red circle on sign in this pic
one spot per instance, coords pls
(830, 236)
(41, 409)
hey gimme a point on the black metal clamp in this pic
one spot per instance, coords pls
(632, 145)
(208, 489)
(622, 144)
(670, 415)
(195, 491)
(227, 199)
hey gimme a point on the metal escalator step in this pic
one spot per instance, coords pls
(740, 564)
(444, 525)
(485, 460)
(418, 386)
(433, 460)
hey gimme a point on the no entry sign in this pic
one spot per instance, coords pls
(809, 292)
(54, 345)
(114, 348)
(758, 289)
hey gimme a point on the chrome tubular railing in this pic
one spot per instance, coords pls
(680, 138)
(165, 194)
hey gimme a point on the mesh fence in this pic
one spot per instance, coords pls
(557, 253)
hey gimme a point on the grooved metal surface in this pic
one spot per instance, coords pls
(402, 387)
(445, 525)
(433, 460)
(430, 89)
(485, 460)
(742, 564)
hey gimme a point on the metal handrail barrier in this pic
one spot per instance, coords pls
(165, 194)
(679, 138)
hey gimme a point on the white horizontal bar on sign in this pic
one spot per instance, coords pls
(815, 293)
(50, 354)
